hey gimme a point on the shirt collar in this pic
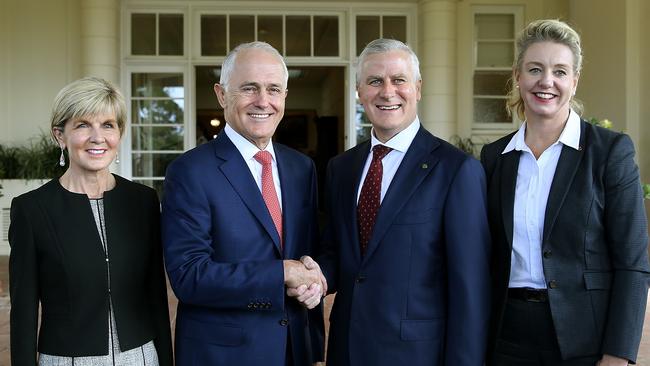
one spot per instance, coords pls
(570, 135)
(402, 140)
(245, 147)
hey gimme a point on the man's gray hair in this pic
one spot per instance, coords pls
(229, 62)
(383, 45)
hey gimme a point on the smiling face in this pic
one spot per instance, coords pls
(91, 141)
(547, 81)
(253, 101)
(389, 92)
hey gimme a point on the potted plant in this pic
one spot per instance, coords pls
(23, 168)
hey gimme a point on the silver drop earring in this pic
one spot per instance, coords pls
(62, 158)
(117, 158)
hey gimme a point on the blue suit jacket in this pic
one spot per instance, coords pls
(419, 296)
(224, 262)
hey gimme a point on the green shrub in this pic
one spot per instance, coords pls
(39, 159)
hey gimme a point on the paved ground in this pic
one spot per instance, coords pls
(643, 359)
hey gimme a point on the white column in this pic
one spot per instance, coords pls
(100, 39)
(437, 53)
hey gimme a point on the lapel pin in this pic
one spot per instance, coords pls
(425, 165)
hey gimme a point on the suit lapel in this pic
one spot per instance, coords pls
(350, 188)
(567, 167)
(290, 189)
(238, 174)
(416, 165)
(509, 168)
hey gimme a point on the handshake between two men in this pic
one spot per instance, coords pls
(305, 281)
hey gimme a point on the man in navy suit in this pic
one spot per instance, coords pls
(237, 213)
(407, 243)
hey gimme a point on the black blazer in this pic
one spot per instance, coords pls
(594, 243)
(57, 259)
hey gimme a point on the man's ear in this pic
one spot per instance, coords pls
(220, 92)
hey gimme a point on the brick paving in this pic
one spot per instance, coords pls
(643, 358)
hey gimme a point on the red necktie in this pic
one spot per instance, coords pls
(268, 190)
(370, 197)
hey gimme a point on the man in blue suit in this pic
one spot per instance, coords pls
(407, 243)
(237, 213)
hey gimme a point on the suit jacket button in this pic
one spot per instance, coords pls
(284, 322)
(547, 254)
(361, 278)
(552, 284)
(250, 305)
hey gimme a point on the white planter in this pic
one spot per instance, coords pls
(12, 188)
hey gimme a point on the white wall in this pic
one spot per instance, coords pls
(39, 54)
(4, 70)
(602, 88)
(644, 107)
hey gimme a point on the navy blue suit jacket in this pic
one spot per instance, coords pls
(224, 262)
(419, 296)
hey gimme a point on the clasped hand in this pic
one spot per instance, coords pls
(305, 281)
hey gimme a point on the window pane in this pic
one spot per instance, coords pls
(151, 164)
(213, 35)
(490, 111)
(326, 36)
(362, 123)
(395, 28)
(495, 54)
(157, 85)
(242, 29)
(269, 30)
(170, 38)
(491, 82)
(143, 34)
(367, 30)
(157, 111)
(494, 26)
(298, 36)
(157, 138)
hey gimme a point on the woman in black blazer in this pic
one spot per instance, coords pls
(86, 247)
(570, 264)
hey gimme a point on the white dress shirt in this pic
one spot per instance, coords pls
(399, 144)
(534, 178)
(248, 151)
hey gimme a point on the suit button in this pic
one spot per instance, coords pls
(284, 322)
(361, 278)
(547, 254)
(250, 305)
(552, 284)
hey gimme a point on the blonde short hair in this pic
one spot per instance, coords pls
(87, 97)
(543, 30)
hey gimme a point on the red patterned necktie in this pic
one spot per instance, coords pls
(370, 197)
(268, 190)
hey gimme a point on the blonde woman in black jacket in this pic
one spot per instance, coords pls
(569, 231)
(86, 247)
